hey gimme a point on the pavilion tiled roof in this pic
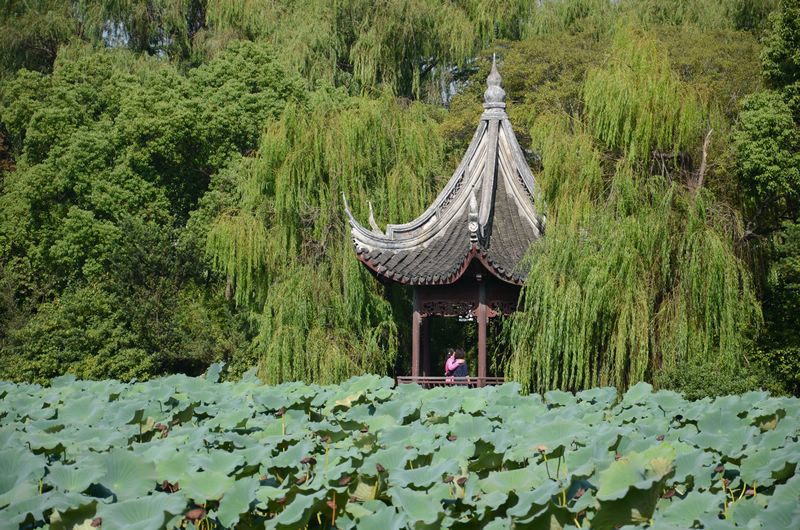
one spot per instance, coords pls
(487, 211)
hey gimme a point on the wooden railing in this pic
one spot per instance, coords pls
(433, 381)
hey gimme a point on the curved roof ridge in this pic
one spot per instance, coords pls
(470, 212)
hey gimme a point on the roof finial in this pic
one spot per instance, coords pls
(494, 94)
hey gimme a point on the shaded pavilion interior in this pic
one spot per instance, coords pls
(464, 255)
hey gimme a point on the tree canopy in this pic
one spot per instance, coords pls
(171, 176)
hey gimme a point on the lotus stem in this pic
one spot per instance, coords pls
(327, 445)
(283, 424)
(333, 517)
(725, 497)
(319, 519)
(577, 523)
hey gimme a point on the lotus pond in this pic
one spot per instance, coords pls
(182, 452)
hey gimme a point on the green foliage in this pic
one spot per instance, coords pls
(635, 272)
(767, 155)
(637, 103)
(779, 60)
(710, 380)
(110, 148)
(283, 244)
(364, 453)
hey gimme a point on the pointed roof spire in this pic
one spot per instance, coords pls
(495, 94)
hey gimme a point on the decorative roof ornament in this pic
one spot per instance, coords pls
(494, 94)
(489, 211)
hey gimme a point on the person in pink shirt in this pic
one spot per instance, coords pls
(455, 364)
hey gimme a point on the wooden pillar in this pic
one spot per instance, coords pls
(426, 346)
(415, 328)
(483, 317)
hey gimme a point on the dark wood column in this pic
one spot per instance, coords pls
(426, 346)
(416, 320)
(483, 317)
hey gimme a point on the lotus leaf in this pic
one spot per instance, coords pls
(21, 472)
(417, 505)
(124, 474)
(74, 477)
(143, 513)
(202, 486)
(636, 470)
(236, 501)
(422, 477)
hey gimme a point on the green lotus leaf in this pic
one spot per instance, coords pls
(142, 513)
(381, 422)
(125, 475)
(515, 480)
(472, 404)
(416, 505)
(635, 470)
(76, 477)
(603, 396)
(470, 427)
(498, 523)
(559, 397)
(558, 433)
(759, 466)
(534, 500)
(217, 460)
(232, 419)
(439, 406)
(393, 457)
(422, 477)
(50, 443)
(74, 518)
(636, 506)
(415, 434)
(684, 512)
(85, 410)
(174, 465)
(743, 511)
(357, 510)
(788, 491)
(236, 501)
(272, 401)
(780, 514)
(37, 505)
(264, 494)
(293, 454)
(298, 512)
(383, 518)
(120, 413)
(63, 381)
(20, 475)
(695, 464)
(639, 393)
(202, 486)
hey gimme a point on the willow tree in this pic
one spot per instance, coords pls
(284, 246)
(638, 270)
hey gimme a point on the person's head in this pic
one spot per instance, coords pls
(459, 353)
(451, 352)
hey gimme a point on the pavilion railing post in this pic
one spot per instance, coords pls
(483, 317)
(416, 320)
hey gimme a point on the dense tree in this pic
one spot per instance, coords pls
(171, 176)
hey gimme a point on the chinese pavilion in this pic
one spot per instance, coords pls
(464, 254)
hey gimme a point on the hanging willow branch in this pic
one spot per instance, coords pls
(321, 316)
(635, 273)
